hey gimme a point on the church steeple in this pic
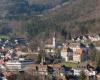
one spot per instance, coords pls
(54, 41)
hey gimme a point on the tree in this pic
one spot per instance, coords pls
(91, 46)
(39, 58)
(82, 76)
(41, 55)
(5, 30)
(97, 61)
(83, 29)
(64, 33)
(92, 52)
(92, 55)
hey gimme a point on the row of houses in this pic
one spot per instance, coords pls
(10, 51)
(84, 38)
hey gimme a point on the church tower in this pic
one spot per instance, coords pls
(54, 42)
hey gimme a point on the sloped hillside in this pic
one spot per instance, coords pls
(75, 18)
(15, 8)
(76, 15)
(46, 1)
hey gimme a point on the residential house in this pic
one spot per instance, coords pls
(72, 52)
(98, 76)
(50, 47)
(77, 54)
(17, 65)
(94, 38)
(82, 38)
(76, 72)
(64, 52)
(20, 53)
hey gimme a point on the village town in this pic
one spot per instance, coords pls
(54, 61)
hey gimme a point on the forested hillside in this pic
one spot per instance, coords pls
(29, 18)
(13, 8)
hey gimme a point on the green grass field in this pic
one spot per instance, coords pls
(4, 37)
(69, 64)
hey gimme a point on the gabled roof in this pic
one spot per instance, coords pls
(74, 44)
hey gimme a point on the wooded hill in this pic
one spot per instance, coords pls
(78, 17)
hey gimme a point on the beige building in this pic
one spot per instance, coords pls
(71, 53)
(64, 53)
(77, 55)
(50, 46)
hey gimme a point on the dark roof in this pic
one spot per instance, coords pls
(69, 50)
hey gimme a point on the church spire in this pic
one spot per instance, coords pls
(54, 41)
